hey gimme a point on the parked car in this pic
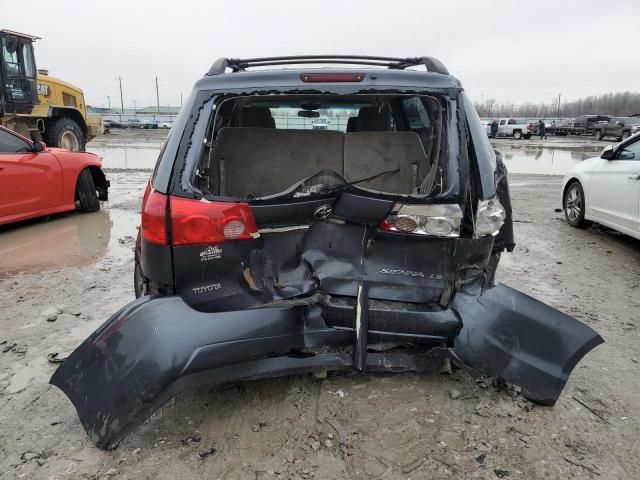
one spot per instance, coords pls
(134, 123)
(36, 181)
(320, 123)
(606, 189)
(269, 251)
(114, 124)
(511, 127)
(619, 128)
(583, 124)
(149, 124)
(165, 125)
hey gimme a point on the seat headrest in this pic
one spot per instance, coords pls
(373, 119)
(352, 124)
(259, 117)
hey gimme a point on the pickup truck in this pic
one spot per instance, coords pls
(617, 127)
(583, 124)
(511, 127)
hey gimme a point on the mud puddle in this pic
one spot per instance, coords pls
(128, 149)
(126, 156)
(71, 240)
(544, 160)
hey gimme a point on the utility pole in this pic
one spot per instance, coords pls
(134, 108)
(109, 102)
(180, 99)
(157, 98)
(558, 105)
(121, 97)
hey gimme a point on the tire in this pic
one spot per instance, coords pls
(140, 282)
(598, 134)
(517, 134)
(64, 133)
(86, 192)
(625, 135)
(574, 205)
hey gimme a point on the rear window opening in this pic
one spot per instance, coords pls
(265, 147)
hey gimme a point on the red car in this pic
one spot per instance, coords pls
(36, 180)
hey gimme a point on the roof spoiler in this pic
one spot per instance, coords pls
(236, 64)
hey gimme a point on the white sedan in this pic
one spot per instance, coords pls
(606, 189)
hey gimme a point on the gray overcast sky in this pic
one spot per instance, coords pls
(508, 50)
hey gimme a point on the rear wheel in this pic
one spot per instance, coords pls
(625, 135)
(64, 133)
(86, 192)
(574, 205)
(598, 134)
(517, 134)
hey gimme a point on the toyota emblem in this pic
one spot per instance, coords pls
(322, 211)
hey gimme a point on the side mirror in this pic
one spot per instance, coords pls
(39, 147)
(608, 153)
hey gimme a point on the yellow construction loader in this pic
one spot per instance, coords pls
(37, 105)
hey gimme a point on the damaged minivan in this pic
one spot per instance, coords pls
(268, 247)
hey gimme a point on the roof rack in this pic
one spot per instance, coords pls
(236, 64)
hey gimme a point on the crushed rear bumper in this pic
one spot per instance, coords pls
(154, 348)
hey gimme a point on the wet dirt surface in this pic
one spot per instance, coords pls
(550, 156)
(391, 426)
(129, 149)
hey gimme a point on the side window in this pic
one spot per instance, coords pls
(10, 56)
(12, 144)
(630, 152)
(511, 122)
(502, 122)
(418, 119)
(29, 63)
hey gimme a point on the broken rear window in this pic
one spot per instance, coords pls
(291, 146)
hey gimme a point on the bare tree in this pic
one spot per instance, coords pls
(618, 104)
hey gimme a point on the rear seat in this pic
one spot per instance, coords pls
(369, 153)
(266, 161)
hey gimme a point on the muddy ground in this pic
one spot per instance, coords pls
(62, 278)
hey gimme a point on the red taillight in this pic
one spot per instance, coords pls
(154, 210)
(195, 222)
(331, 77)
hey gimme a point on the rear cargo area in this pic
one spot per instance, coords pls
(279, 159)
(263, 146)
